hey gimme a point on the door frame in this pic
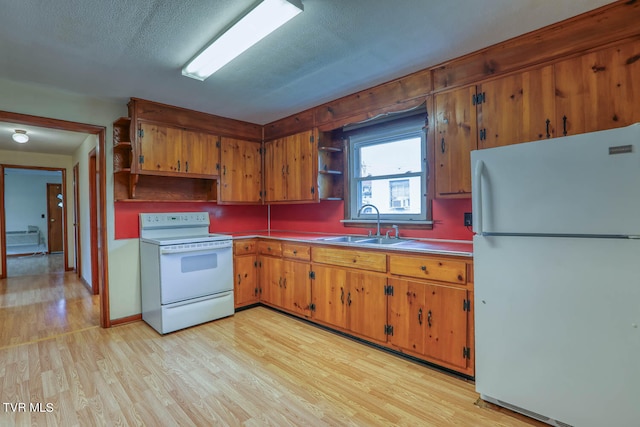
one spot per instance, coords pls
(93, 222)
(101, 166)
(76, 220)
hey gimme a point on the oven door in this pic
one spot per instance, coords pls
(195, 270)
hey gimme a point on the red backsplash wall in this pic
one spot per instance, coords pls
(448, 217)
(323, 217)
(223, 218)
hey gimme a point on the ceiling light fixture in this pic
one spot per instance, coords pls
(20, 136)
(249, 29)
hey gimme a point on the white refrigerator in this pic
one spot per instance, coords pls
(557, 277)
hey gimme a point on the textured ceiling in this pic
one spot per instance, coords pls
(119, 49)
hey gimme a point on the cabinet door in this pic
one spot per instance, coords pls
(241, 171)
(598, 90)
(329, 295)
(407, 315)
(271, 280)
(160, 147)
(516, 108)
(200, 153)
(275, 171)
(297, 287)
(246, 285)
(301, 175)
(367, 304)
(456, 133)
(446, 324)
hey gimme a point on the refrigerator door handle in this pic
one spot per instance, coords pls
(476, 193)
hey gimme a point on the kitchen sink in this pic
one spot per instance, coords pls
(362, 240)
(385, 241)
(349, 239)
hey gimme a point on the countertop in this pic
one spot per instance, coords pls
(432, 246)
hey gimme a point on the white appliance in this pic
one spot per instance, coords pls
(557, 277)
(186, 274)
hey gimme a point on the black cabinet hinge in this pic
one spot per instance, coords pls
(255, 264)
(388, 290)
(466, 353)
(483, 134)
(140, 158)
(311, 139)
(140, 132)
(313, 190)
(388, 330)
(478, 98)
(466, 305)
(217, 166)
(218, 143)
(312, 274)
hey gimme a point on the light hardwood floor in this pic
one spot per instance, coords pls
(257, 368)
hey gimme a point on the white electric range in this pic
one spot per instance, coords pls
(186, 273)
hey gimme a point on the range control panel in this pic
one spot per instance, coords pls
(174, 220)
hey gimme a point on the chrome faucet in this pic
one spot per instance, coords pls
(397, 231)
(377, 211)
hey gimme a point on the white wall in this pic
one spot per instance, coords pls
(80, 157)
(26, 200)
(124, 288)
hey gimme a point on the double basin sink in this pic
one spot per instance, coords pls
(363, 240)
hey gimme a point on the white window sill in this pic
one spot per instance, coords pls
(385, 222)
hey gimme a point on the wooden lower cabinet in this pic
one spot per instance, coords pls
(431, 320)
(297, 287)
(415, 304)
(246, 283)
(350, 299)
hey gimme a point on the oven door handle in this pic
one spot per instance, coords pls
(166, 251)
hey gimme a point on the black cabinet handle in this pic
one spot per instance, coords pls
(239, 279)
(178, 165)
(186, 166)
(548, 122)
(564, 125)
(342, 295)
(349, 298)
(429, 318)
(442, 145)
(420, 316)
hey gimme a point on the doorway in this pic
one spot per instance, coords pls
(100, 197)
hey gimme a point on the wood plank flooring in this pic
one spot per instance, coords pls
(257, 368)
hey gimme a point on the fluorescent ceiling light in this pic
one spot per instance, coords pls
(252, 27)
(20, 136)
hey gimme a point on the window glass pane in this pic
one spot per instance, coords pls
(391, 196)
(390, 158)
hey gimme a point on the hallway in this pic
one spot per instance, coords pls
(43, 301)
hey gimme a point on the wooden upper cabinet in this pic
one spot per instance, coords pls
(240, 171)
(291, 168)
(598, 90)
(456, 132)
(516, 108)
(176, 151)
(159, 147)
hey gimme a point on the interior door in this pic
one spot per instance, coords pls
(55, 204)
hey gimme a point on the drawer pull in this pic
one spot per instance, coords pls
(423, 267)
(295, 252)
(246, 248)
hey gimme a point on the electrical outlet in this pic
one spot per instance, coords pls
(468, 219)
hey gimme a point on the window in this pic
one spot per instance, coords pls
(389, 170)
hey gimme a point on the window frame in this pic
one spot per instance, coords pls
(390, 131)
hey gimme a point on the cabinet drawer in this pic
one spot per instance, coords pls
(242, 247)
(429, 268)
(296, 251)
(270, 248)
(351, 258)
